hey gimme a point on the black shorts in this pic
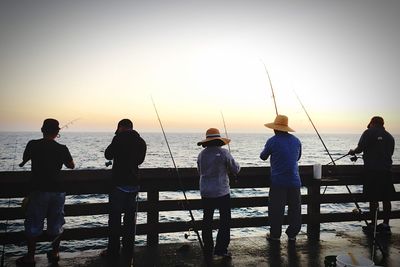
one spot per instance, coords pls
(378, 185)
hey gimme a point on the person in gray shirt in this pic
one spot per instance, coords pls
(215, 164)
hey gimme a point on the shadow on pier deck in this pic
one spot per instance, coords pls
(249, 251)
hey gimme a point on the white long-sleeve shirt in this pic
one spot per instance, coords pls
(213, 164)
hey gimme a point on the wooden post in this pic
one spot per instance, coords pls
(314, 209)
(152, 219)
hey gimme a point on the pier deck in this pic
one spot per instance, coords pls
(249, 251)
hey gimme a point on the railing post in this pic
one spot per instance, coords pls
(152, 219)
(314, 209)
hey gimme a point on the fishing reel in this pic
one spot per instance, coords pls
(108, 163)
(188, 233)
(354, 158)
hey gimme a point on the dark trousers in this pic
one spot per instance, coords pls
(378, 186)
(223, 204)
(121, 203)
(279, 197)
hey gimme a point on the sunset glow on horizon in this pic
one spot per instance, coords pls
(102, 61)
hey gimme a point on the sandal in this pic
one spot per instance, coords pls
(53, 257)
(25, 261)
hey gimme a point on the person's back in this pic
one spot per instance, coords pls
(47, 157)
(47, 197)
(214, 163)
(285, 151)
(378, 147)
(128, 151)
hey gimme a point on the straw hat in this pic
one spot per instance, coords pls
(213, 134)
(280, 123)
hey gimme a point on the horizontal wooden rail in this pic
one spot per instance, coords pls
(154, 181)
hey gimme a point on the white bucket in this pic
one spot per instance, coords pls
(358, 261)
(317, 171)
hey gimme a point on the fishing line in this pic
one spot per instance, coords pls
(333, 162)
(179, 179)
(9, 204)
(270, 84)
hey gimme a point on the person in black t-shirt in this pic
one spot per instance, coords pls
(377, 146)
(47, 197)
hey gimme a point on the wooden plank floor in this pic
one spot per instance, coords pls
(248, 251)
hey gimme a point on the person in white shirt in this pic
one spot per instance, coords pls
(215, 164)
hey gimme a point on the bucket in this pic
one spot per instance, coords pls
(317, 171)
(357, 261)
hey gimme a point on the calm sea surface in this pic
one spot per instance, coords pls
(87, 150)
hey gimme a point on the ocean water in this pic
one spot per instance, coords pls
(88, 148)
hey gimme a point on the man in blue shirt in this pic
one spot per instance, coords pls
(377, 146)
(285, 151)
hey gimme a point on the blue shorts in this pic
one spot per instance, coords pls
(43, 205)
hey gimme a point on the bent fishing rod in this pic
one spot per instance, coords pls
(333, 162)
(226, 132)
(179, 179)
(235, 178)
(69, 123)
(272, 88)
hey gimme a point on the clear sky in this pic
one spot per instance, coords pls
(101, 61)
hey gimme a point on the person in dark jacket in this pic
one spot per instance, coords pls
(377, 146)
(47, 197)
(127, 150)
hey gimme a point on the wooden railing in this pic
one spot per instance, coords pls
(154, 181)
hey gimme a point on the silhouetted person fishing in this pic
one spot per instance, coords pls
(127, 150)
(47, 197)
(377, 146)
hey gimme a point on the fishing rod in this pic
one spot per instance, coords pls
(9, 204)
(338, 159)
(272, 88)
(235, 179)
(69, 123)
(179, 179)
(326, 149)
(333, 162)
(226, 132)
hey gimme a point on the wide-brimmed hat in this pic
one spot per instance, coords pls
(213, 134)
(281, 123)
